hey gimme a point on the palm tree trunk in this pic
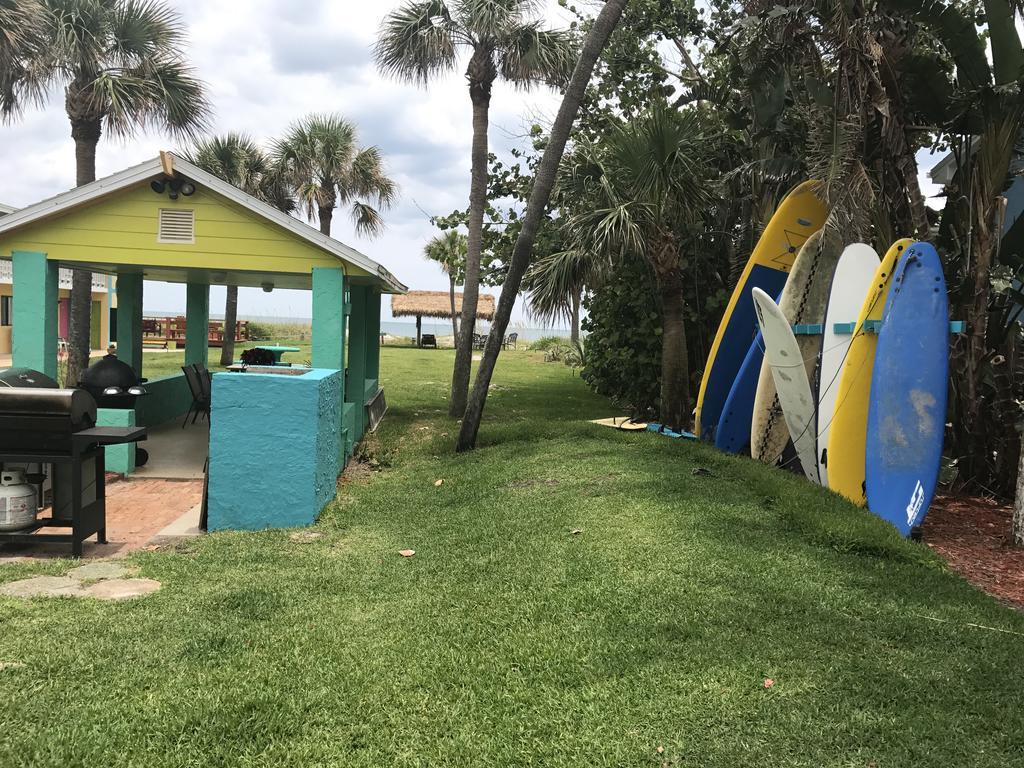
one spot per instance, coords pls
(675, 362)
(325, 213)
(455, 317)
(593, 44)
(86, 133)
(227, 349)
(1017, 529)
(480, 93)
(574, 319)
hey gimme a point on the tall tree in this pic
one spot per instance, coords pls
(321, 160)
(555, 284)
(594, 42)
(239, 160)
(122, 66)
(449, 251)
(422, 40)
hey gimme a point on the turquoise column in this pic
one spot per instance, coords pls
(355, 384)
(34, 312)
(328, 318)
(373, 335)
(197, 324)
(129, 320)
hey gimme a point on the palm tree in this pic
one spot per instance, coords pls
(239, 160)
(555, 284)
(122, 66)
(323, 164)
(536, 208)
(648, 182)
(421, 40)
(449, 251)
(22, 30)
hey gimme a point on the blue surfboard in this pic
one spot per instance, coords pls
(733, 433)
(907, 409)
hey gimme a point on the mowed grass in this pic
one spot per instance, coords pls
(646, 639)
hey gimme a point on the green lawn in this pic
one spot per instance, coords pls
(508, 641)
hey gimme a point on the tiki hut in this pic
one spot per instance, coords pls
(420, 304)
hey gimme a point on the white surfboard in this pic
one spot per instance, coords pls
(782, 354)
(853, 277)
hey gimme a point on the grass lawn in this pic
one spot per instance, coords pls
(644, 640)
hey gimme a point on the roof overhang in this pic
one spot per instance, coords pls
(5, 209)
(154, 168)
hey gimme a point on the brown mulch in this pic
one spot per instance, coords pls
(973, 535)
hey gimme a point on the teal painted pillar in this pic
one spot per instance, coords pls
(355, 384)
(373, 335)
(129, 320)
(197, 324)
(34, 312)
(328, 318)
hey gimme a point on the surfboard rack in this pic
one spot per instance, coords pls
(873, 326)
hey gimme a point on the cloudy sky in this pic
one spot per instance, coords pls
(270, 61)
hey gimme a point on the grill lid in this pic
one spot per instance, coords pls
(26, 378)
(76, 406)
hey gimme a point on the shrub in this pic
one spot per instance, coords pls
(544, 343)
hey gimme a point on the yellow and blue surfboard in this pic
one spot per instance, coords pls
(798, 216)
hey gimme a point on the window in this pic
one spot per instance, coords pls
(176, 225)
(5, 310)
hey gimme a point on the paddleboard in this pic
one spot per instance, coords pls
(733, 433)
(850, 284)
(802, 303)
(798, 216)
(907, 410)
(621, 422)
(848, 430)
(784, 358)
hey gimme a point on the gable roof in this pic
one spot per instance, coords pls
(153, 168)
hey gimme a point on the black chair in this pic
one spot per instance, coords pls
(198, 381)
(512, 339)
(428, 340)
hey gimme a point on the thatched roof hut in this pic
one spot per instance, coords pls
(437, 304)
(420, 304)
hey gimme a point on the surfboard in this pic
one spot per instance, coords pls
(783, 357)
(907, 409)
(848, 431)
(798, 216)
(802, 303)
(850, 284)
(733, 433)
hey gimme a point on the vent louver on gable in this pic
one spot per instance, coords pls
(177, 225)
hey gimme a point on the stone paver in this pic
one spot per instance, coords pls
(121, 589)
(43, 586)
(101, 569)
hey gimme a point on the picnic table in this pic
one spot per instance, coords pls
(277, 352)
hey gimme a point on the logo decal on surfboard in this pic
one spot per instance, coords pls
(916, 501)
(793, 242)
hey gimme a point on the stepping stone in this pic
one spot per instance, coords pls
(306, 536)
(120, 589)
(103, 569)
(42, 586)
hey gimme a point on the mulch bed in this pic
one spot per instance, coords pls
(973, 535)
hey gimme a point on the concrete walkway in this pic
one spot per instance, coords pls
(176, 453)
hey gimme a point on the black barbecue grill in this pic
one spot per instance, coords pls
(58, 427)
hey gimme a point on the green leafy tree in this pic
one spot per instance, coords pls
(421, 41)
(240, 161)
(449, 251)
(649, 180)
(321, 161)
(22, 37)
(122, 66)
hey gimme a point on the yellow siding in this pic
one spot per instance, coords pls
(5, 330)
(122, 230)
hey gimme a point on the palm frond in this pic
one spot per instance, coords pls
(417, 41)
(489, 20)
(529, 54)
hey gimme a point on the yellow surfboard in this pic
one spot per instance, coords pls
(848, 431)
(798, 216)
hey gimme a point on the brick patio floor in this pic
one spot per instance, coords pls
(136, 511)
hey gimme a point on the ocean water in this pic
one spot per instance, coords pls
(396, 327)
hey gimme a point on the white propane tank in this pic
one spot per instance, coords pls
(17, 501)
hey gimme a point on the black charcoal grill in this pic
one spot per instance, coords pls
(58, 427)
(113, 383)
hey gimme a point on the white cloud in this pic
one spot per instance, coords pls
(268, 62)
